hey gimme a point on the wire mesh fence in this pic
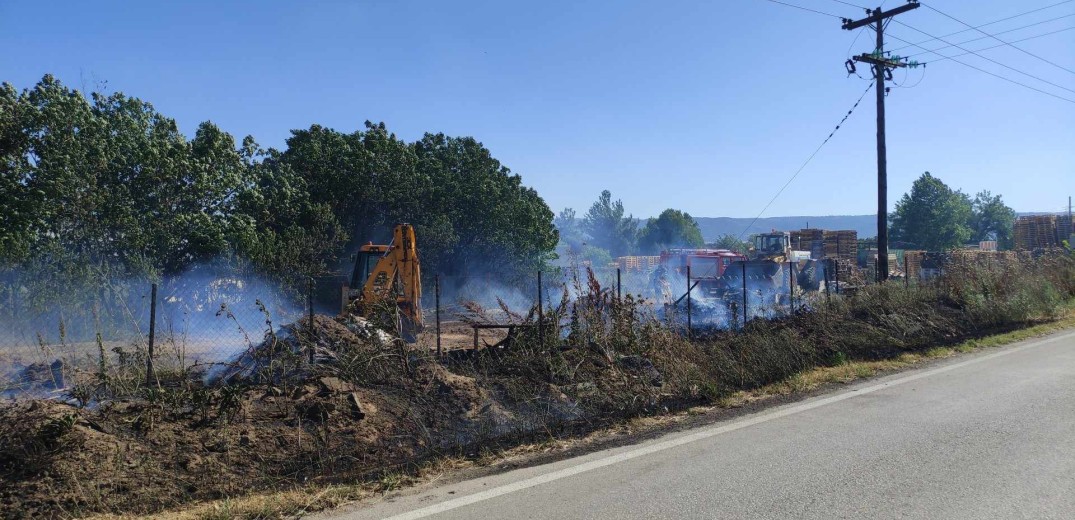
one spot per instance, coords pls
(211, 323)
(134, 325)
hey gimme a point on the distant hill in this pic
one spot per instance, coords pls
(713, 227)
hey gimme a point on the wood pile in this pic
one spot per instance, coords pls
(913, 260)
(639, 264)
(1065, 228)
(842, 244)
(1036, 232)
(812, 240)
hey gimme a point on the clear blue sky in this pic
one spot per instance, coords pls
(698, 105)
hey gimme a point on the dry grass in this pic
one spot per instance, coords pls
(296, 502)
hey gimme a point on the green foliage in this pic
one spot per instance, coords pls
(932, 216)
(609, 228)
(492, 224)
(732, 242)
(99, 190)
(569, 227)
(673, 228)
(991, 219)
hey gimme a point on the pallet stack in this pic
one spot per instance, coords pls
(638, 264)
(842, 244)
(871, 262)
(1036, 232)
(913, 259)
(1064, 228)
(812, 240)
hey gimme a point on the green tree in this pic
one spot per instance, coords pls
(732, 242)
(569, 227)
(673, 228)
(482, 217)
(932, 216)
(991, 219)
(608, 227)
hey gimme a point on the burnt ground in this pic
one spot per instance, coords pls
(362, 407)
(275, 422)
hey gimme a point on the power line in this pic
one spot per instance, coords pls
(807, 8)
(849, 3)
(984, 24)
(1020, 49)
(1004, 32)
(808, 159)
(1027, 74)
(992, 47)
(1009, 80)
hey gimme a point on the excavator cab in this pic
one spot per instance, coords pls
(366, 263)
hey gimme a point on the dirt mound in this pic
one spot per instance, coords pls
(187, 441)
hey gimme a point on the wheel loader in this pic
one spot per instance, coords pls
(387, 279)
(767, 269)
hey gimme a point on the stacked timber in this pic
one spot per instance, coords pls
(871, 262)
(812, 240)
(842, 244)
(1065, 228)
(913, 260)
(1036, 232)
(638, 264)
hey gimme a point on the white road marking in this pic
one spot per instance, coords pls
(705, 433)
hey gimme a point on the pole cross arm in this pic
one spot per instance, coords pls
(866, 58)
(877, 15)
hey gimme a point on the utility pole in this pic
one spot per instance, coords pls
(882, 67)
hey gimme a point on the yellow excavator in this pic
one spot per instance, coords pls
(389, 276)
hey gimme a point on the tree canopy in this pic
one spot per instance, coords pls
(731, 242)
(673, 228)
(104, 187)
(609, 227)
(934, 217)
(991, 219)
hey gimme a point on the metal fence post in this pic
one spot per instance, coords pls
(828, 295)
(836, 262)
(541, 314)
(744, 266)
(688, 300)
(791, 288)
(310, 317)
(150, 376)
(906, 274)
(436, 292)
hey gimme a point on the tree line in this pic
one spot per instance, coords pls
(102, 188)
(607, 231)
(934, 217)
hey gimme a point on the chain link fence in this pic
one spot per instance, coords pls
(142, 326)
(197, 324)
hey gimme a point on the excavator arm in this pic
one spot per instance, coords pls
(391, 273)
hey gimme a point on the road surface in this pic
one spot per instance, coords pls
(990, 435)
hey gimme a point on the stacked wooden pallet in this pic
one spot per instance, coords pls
(1036, 232)
(640, 264)
(842, 244)
(1064, 227)
(871, 262)
(913, 260)
(812, 240)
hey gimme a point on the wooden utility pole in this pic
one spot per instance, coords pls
(882, 66)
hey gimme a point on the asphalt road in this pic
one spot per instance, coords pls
(990, 435)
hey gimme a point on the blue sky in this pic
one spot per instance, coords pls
(705, 106)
